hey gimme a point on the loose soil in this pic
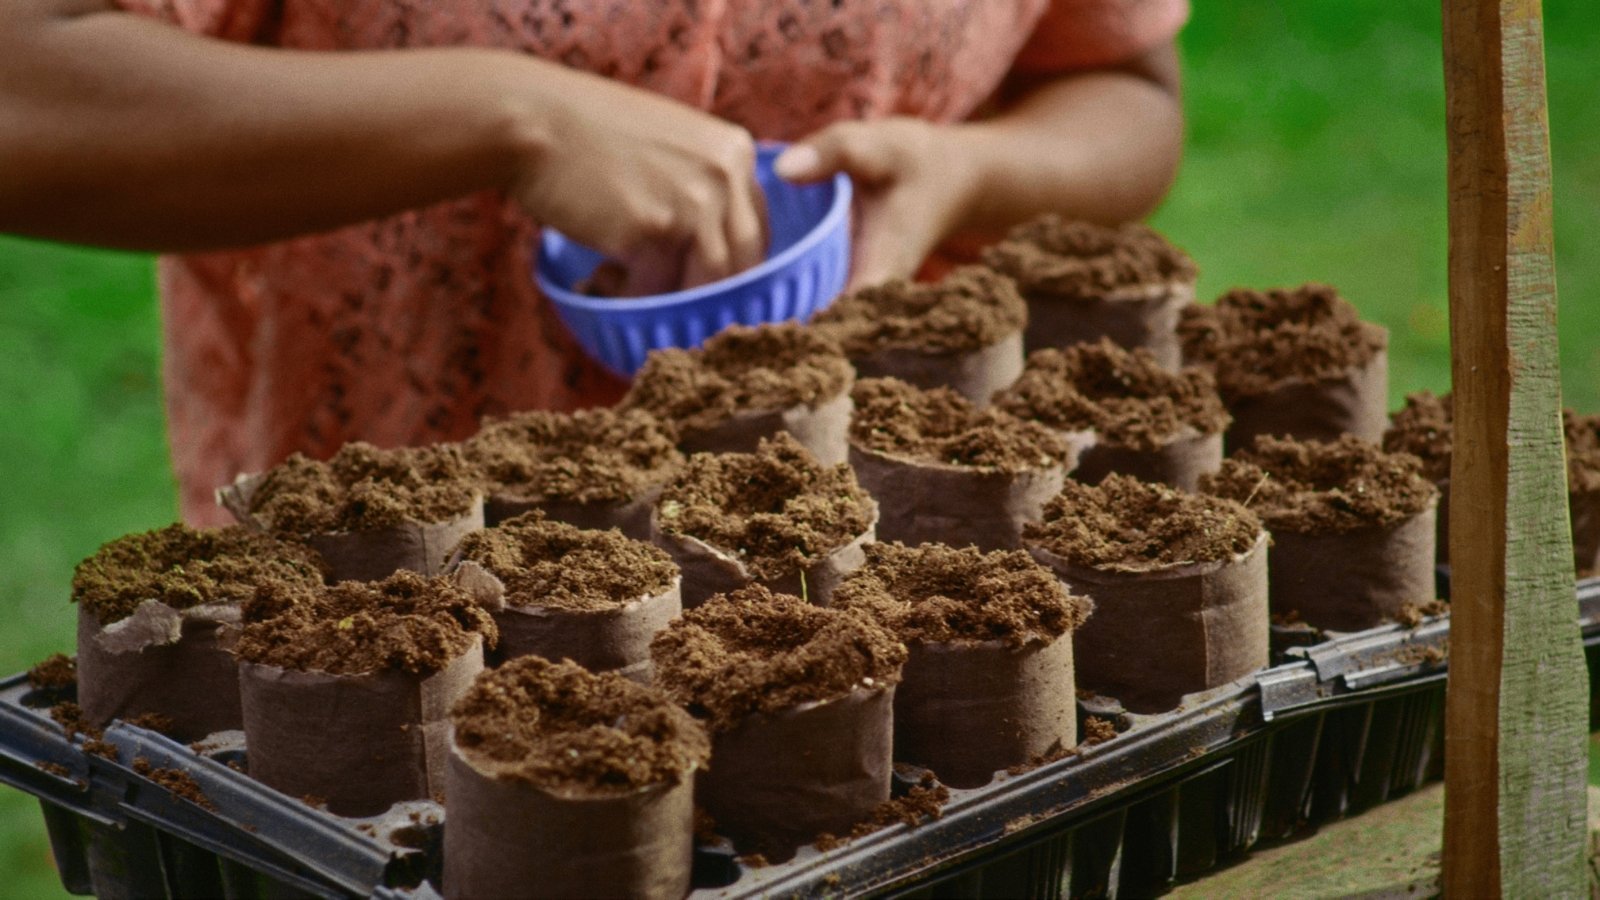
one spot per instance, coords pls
(1258, 340)
(1583, 451)
(560, 727)
(53, 673)
(970, 309)
(775, 510)
(150, 721)
(1097, 730)
(938, 594)
(741, 370)
(752, 651)
(590, 456)
(1126, 524)
(1124, 396)
(183, 567)
(554, 565)
(178, 782)
(405, 622)
(941, 426)
(70, 717)
(1412, 614)
(1306, 487)
(924, 802)
(363, 488)
(1055, 257)
(1423, 429)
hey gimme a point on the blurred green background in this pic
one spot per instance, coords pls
(1316, 152)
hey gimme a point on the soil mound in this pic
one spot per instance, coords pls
(753, 651)
(53, 673)
(939, 594)
(1257, 340)
(969, 309)
(405, 622)
(554, 565)
(589, 456)
(775, 510)
(1054, 257)
(941, 426)
(1315, 488)
(1125, 396)
(363, 488)
(1423, 429)
(183, 567)
(560, 727)
(1123, 523)
(768, 367)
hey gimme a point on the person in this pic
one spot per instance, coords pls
(350, 188)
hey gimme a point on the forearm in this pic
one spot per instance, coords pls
(121, 131)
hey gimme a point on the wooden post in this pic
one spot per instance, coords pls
(1517, 713)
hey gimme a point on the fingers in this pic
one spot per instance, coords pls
(866, 150)
(893, 236)
(747, 224)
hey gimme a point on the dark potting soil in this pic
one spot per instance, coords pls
(1125, 396)
(941, 426)
(363, 488)
(1054, 257)
(970, 309)
(775, 510)
(741, 370)
(70, 717)
(1130, 525)
(1423, 429)
(752, 651)
(939, 594)
(1307, 487)
(544, 563)
(184, 567)
(559, 727)
(53, 673)
(1258, 340)
(1583, 451)
(590, 456)
(178, 782)
(405, 622)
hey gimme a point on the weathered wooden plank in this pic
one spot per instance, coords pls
(1517, 710)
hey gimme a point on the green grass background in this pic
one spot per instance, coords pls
(1316, 152)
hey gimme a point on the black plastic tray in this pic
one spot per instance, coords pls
(1336, 728)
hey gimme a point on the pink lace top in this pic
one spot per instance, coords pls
(411, 328)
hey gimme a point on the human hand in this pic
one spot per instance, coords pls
(665, 189)
(913, 182)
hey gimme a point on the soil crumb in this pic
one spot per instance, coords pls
(940, 426)
(1307, 487)
(553, 565)
(1130, 525)
(1097, 730)
(405, 622)
(184, 567)
(1052, 257)
(752, 651)
(938, 594)
(922, 803)
(150, 721)
(1412, 614)
(1259, 340)
(177, 782)
(1423, 428)
(741, 370)
(970, 309)
(589, 456)
(1124, 396)
(560, 727)
(53, 768)
(70, 717)
(53, 673)
(775, 510)
(1583, 451)
(363, 488)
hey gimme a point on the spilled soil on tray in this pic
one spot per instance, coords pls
(1307, 487)
(942, 427)
(553, 565)
(1071, 260)
(1126, 524)
(970, 309)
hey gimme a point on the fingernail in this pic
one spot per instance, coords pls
(799, 161)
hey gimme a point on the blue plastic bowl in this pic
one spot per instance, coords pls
(807, 263)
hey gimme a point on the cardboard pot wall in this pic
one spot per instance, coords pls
(507, 838)
(935, 503)
(164, 661)
(1180, 462)
(630, 516)
(1353, 580)
(967, 709)
(1141, 317)
(777, 781)
(822, 429)
(1158, 635)
(976, 375)
(362, 743)
(1355, 403)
